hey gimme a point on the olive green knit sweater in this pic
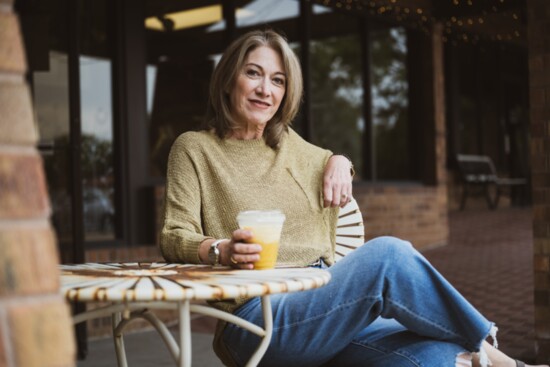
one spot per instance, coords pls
(209, 180)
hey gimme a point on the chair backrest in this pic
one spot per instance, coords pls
(476, 168)
(350, 232)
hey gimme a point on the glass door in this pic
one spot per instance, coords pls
(68, 46)
(96, 111)
(45, 28)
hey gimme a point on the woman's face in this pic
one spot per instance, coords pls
(259, 88)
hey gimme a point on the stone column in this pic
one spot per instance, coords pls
(539, 84)
(35, 325)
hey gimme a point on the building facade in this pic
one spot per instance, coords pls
(399, 86)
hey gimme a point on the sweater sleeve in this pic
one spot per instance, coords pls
(182, 232)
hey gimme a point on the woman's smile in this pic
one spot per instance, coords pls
(260, 104)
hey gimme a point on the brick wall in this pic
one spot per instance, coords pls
(539, 84)
(124, 254)
(35, 324)
(414, 213)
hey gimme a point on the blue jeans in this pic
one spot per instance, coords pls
(384, 306)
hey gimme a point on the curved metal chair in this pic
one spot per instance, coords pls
(350, 231)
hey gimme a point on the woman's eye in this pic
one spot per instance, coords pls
(279, 81)
(252, 72)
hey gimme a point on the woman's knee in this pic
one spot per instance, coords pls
(380, 254)
(391, 246)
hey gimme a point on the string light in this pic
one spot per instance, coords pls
(422, 18)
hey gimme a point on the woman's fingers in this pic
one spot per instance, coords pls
(246, 253)
(337, 182)
(241, 254)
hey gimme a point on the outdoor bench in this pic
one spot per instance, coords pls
(479, 171)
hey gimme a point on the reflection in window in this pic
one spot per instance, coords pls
(97, 148)
(336, 87)
(389, 104)
(51, 103)
(337, 100)
(177, 80)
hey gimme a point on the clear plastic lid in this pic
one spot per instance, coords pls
(261, 216)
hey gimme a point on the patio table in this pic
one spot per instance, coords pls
(131, 290)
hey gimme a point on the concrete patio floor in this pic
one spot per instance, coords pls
(146, 349)
(488, 259)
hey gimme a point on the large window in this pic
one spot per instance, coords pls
(97, 148)
(338, 113)
(488, 111)
(336, 88)
(81, 187)
(96, 111)
(51, 104)
(389, 88)
(180, 43)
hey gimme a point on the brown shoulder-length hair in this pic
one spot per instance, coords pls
(218, 114)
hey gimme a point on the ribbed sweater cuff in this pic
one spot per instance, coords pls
(189, 250)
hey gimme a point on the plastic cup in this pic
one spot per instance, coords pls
(266, 227)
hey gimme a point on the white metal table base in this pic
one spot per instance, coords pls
(122, 313)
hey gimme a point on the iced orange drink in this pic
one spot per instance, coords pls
(266, 227)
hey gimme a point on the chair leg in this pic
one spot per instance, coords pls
(119, 341)
(497, 198)
(464, 196)
(80, 332)
(492, 203)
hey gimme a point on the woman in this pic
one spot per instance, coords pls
(385, 305)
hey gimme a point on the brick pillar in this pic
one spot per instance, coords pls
(539, 85)
(35, 324)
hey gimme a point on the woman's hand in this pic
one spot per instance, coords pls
(337, 179)
(239, 254)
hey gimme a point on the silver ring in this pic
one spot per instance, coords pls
(232, 259)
